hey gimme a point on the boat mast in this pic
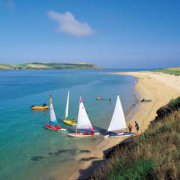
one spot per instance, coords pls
(83, 121)
(53, 118)
(67, 106)
(118, 121)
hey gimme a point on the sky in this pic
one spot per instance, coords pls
(109, 33)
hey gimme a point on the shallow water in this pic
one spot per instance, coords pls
(27, 150)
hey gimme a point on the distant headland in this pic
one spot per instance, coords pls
(49, 66)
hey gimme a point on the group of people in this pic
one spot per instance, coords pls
(102, 99)
(136, 126)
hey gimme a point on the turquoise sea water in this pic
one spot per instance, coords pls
(27, 150)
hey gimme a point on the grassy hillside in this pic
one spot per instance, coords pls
(5, 66)
(49, 66)
(175, 71)
(153, 155)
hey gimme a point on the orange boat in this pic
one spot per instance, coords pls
(40, 108)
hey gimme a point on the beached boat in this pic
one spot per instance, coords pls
(83, 123)
(66, 120)
(53, 125)
(118, 122)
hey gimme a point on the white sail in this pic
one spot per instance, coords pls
(67, 106)
(118, 121)
(52, 113)
(83, 119)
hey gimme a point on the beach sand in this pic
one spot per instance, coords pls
(159, 87)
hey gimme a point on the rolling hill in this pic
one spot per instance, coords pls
(36, 65)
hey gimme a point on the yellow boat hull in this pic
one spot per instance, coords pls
(39, 108)
(70, 122)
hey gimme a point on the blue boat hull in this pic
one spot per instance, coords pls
(123, 134)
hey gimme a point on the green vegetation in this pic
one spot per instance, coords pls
(153, 155)
(175, 103)
(174, 71)
(172, 106)
(49, 66)
(5, 66)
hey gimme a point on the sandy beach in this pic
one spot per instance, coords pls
(158, 87)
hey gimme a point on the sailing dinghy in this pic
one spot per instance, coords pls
(66, 120)
(118, 122)
(83, 123)
(53, 125)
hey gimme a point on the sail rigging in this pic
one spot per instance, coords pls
(83, 121)
(67, 107)
(53, 119)
(118, 121)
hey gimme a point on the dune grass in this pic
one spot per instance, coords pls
(153, 155)
(174, 71)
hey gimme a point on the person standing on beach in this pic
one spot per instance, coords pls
(137, 126)
(130, 128)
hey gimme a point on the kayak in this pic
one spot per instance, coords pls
(54, 128)
(39, 108)
(70, 122)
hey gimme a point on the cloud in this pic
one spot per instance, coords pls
(7, 4)
(68, 24)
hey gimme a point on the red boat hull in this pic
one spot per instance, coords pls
(54, 128)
